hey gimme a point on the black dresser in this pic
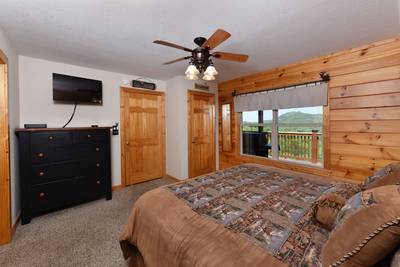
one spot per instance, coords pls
(60, 167)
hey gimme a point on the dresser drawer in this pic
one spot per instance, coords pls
(51, 139)
(95, 151)
(52, 154)
(60, 194)
(67, 153)
(45, 173)
(91, 136)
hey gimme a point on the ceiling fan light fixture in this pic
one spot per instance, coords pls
(191, 77)
(208, 77)
(211, 71)
(192, 70)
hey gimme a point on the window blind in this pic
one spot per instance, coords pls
(309, 95)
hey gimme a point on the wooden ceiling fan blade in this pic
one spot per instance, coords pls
(216, 39)
(231, 56)
(160, 42)
(176, 60)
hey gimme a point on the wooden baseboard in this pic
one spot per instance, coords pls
(15, 225)
(173, 178)
(117, 187)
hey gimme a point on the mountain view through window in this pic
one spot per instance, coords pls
(299, 133)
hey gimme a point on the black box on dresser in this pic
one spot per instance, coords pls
(61, 167)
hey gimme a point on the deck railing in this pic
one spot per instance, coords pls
(301, 146)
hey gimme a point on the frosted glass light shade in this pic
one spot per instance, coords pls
(191, 77)
(192, 70)
(211, 71)
(208, 77)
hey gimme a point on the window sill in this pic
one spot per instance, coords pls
(301, 162)
(291, 162)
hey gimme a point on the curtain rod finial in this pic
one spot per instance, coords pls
(324, 76)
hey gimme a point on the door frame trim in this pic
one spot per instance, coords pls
(189, 128)
(5, 193)
(123, 91)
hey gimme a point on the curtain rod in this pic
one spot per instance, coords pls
(324, 78)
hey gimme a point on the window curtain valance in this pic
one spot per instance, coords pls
(309, 95)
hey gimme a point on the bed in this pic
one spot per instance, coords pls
(247, 215)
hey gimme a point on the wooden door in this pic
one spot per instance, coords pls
(201, 133)
(143, 135)
(5, 206)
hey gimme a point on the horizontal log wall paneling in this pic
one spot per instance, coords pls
(372, 139)
(362, 120)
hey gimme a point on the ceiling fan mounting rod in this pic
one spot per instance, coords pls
(199, 40)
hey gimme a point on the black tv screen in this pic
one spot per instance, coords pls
(77, 90)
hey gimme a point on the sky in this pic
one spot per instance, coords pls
(251, 116)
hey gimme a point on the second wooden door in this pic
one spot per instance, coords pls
(201, 133)
(143, 134)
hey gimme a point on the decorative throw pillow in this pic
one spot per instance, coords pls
(396, 259)
(329, 204)
(388, 175)
(367, 229)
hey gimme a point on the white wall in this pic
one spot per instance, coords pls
(177, 125)
(37, 106)
(13, 110)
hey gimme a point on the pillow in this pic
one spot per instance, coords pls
(395, 262)
(388, 175)
(331, 201)
(391, 260)
(367, 228)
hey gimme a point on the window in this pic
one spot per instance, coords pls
(298, 134)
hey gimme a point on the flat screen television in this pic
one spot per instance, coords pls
(76, 90)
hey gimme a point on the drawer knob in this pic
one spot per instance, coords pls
(97, 148)
(41, 173)
(41, 194)
(51, 138)
(40, 155)
(97, 164)
(97, 182)
(89, 136)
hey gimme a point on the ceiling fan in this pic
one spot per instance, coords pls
(200, 58)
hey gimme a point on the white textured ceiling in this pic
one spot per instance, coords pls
(117, 35)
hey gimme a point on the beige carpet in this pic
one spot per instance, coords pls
(84, 235)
